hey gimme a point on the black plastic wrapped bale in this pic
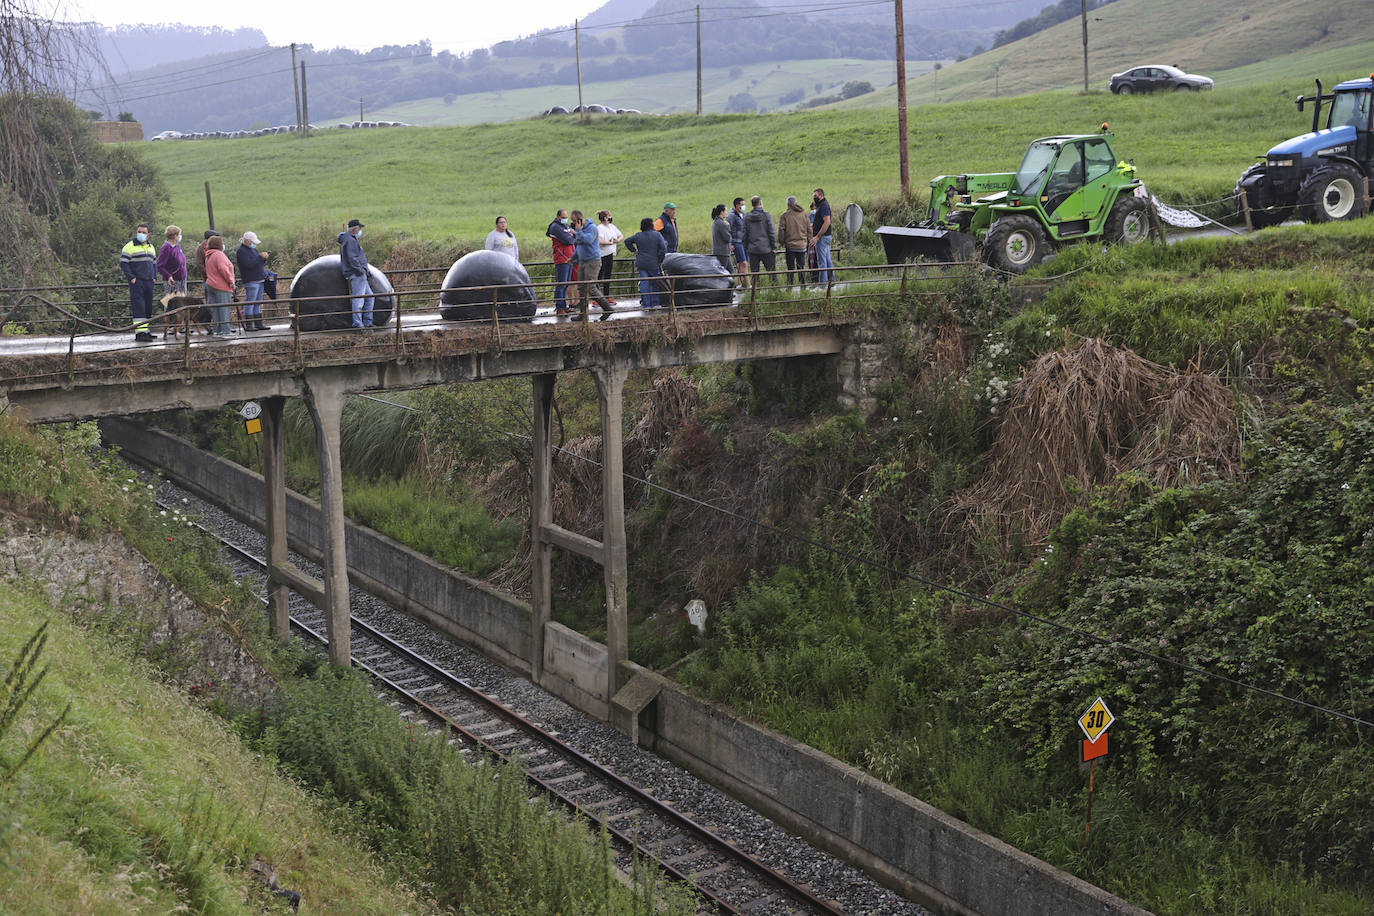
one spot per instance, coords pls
(923, 243)
(478, 279)
(322, 277)
(698, 279)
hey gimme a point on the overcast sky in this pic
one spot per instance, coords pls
(454, 26)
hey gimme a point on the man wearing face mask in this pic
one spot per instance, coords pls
(821, 236)
(138, 261)
(561, 239)
(353, 263)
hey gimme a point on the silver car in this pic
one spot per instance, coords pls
(1157, 78)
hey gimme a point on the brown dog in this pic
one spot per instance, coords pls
(194, 315)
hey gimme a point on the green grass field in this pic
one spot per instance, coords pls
(1233, 41)
(449, 183)
(659, 93)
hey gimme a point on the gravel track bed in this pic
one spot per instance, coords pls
(750, 831)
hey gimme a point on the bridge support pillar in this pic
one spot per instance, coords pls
(541, 517)
(610, 384)
(274, 481)
(325, 399)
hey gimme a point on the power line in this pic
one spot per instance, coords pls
(949, 589)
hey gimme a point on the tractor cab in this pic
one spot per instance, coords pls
(1320, 176)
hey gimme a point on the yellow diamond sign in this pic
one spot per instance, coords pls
(1096, 720)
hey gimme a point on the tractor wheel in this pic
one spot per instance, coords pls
(1261, 217)
(1125, 89)
(1129, 221)
(1015, 244)
(1332, 194)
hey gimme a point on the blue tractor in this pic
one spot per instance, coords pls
(1319, 177)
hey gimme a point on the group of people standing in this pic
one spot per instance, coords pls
(749, 241)
(142, 267)
(583, 256)
(584, 252)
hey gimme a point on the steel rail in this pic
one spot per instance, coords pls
(715, 843)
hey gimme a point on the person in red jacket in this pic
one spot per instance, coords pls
(219, 285)
(562, 240)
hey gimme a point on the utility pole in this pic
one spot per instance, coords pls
(698, 59)
(360, 109)
(1084, 4)
(577, 47)
(901, 102)
(296, 87)
(305, 102)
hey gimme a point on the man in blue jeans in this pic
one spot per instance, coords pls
(562, 240)
(820, 238)
(353, 263)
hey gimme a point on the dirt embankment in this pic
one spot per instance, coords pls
(105, 583)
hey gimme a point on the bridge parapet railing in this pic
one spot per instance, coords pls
(414, 307)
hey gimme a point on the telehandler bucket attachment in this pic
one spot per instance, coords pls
(919, 243)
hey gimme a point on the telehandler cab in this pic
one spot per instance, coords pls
(1068, 188)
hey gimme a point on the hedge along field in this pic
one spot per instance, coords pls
(450, 183)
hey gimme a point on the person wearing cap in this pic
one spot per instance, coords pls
(253, 269)
(666, 224)
(353, 263)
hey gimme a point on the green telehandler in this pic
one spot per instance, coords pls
(1068, 188)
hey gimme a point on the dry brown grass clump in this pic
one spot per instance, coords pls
(1090, 412)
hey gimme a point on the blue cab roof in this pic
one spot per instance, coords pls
(1366, 82)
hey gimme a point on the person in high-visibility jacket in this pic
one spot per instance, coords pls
(138, 261)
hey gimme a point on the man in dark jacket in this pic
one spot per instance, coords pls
(760, 240)
(736, 219)
(649, 249)
(353, 263)
(253, 269)
(562, 241)
(138, 262)
(666, 224)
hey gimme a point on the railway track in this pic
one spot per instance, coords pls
(727, 878)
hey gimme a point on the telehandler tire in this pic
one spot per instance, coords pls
(1332, 194)
(1016, 243)
(1129, 221)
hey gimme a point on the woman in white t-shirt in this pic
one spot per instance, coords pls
(610, 237)
(503, 240)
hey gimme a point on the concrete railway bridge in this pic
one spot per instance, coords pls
(920, 851)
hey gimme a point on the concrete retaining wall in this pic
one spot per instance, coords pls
(903, 842)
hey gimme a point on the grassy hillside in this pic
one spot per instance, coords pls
(141, 803)
(1236, 43)
(1258, 39)
(661, 93)
(450, 183)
